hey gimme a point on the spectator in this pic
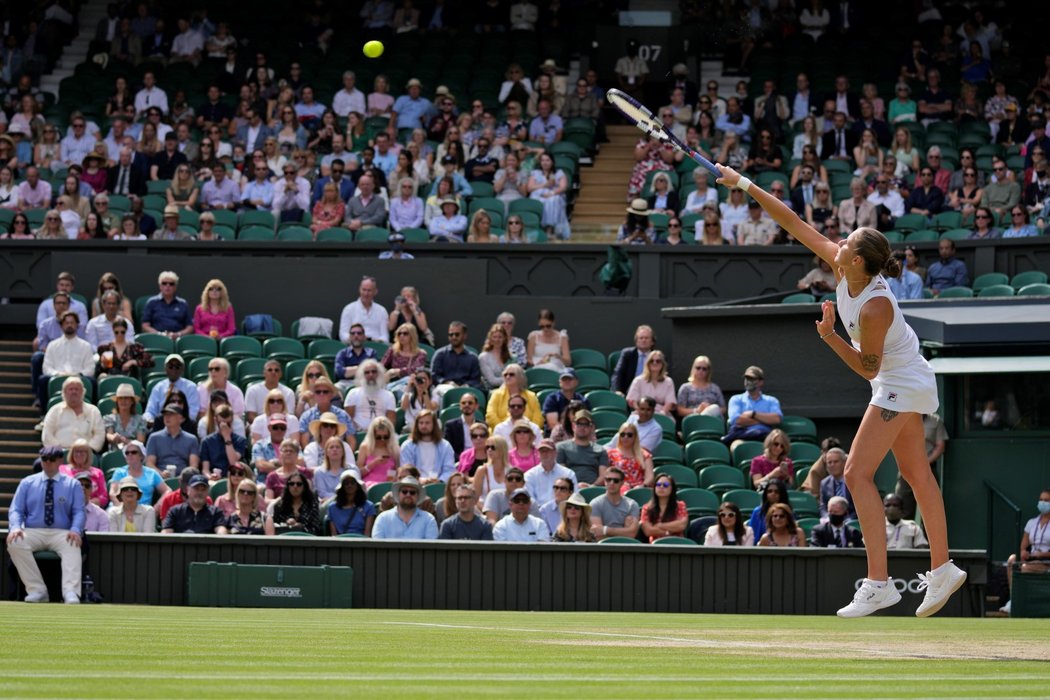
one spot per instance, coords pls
(291, 195)
(349, 98)
(173, 368)
(664, 515)
(774, 462)
(700, 395)
(323, 395)
(548, 184)
(170, 230)
(296, 509)
(867, 155)
(80, 464)
(68, 356)
(350, 358)
(450, 226)
(627, 454)
(947, 272)
(653, 382)
(730, 529)
(907, 285)
(663, 200)
(546, 127)
(406, 521)
(371, 316)
(733, 213)
(612, 514)
(582, 102)
(868, 121)
(214, 317)
(519, 525)
(1035, 546)
(33, 193)
(222, 447)
(410, 110)
(465, 524)
(781, 528)
(834, 484)
(983, 228)
(857, 212)
(756, 230)
(548, 347)
(129, 514)
(702, 195)
(494, 357)
(575, 525)
(580, 453)
(454, 364)
(836, 532)
(220, 192)
(75, 147)
(172, 449)
(753, 414)
(632, 360)
(935, 104)
(258, 397)
(329, 210)
(367, 209)
(889, 198)
(65, 284)
(901, 533)
(370, 398)
(147, 481)
(406, 209)
(906, 154)
(219, 380)
(1019, 224)
(427, 450)
(245, 516)
(1003, 192)
(735, 121)
(124, 424)
(166, 313)
(820, 280)
(839, 142)
(497, 501)
(287, 465)
(350, 512)
(195, 515)
(273, 428)
(483, 166)
(34, 526)
(555, 403)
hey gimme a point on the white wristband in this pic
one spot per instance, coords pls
(744, 184)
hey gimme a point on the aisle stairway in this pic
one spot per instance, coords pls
(599, 209)
(19, 443)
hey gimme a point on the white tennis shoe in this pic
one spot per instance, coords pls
(870, 598)
(939, 588)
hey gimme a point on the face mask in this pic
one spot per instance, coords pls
(837, 520)
(396, 247)
(1044, 507)
(750, 384)
(893, 514)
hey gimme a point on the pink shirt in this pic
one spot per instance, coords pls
(524, 463)
(98, 482)
(223, 323)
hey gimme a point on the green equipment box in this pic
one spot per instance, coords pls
(1030, 596)
(214, 584)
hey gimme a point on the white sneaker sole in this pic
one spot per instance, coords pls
(936, 607)
(892, 600)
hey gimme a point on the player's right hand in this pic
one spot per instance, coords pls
(729, 177)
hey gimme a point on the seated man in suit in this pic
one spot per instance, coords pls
(838, 143)
(834, 484)
(124, 178)
(835, 532)
(457, 430)
(254, 132)
(632, 359)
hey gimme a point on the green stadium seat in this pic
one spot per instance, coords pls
(698, 427)
(197, 368)
(257, 217)
(744, 452)
(324, 349)
(54, 387)
(988, 279)
(997, 290)
(924, 236)
(1023, 279)
(618, 539)
(1035, 289)
(698, 501)
(799, 428)
(371, 235)
(592, 492)
(255, 233)
(541, 378)
(217, 489)
(746, 499)
(956, 293)
(894, 236)
(603, 400)
(335, 235)
(607, 423)
(800, 298)
(377, 491)
(807, 524)
(237, 347)
(250, 369)
(719, 478)
(283, 349)
(947, 220)
(591, 379)
(675, 542)
(804, 504)
(108, 386)
(910, 222)
(683, 476)
(295, 234)
(586, 358)
(957, 234)
(193, 346)
(667, 452)
(640, 495)
(701, 453)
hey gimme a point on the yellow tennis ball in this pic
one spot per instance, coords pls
(373, 49)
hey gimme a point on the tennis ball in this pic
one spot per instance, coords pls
(373, 49)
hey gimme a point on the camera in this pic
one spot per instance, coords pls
(399, 300)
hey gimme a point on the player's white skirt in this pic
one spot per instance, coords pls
(911, 388)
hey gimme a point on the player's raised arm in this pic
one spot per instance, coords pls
(784, 216)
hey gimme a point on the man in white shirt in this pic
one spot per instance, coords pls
(506, 428)
(188, 44)
(373, 317)
(78, 144)
(540, 479)
(891, 199)
(349, 99)
(901, 533)
(68, 356)
(519, 526)
(255, 396)
(100, 329)
(34, 193)
(71, 419)
(150, 96)
(370, 399)
(291, 195)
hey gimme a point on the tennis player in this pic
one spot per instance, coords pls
(884, 350)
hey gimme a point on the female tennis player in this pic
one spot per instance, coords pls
(884, 350)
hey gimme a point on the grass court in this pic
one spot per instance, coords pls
(134, 651)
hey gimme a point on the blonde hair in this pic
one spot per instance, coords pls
(472, 230)
(275, 394)
(249, 476)
(500, 443)
(324, 451)
(775, 435)
(224, 296)
(504, 355)
(647, 374)
(306, 383)
(368, 444)
(637, 453)
(222, 362)
(413, 335)
(701, 358)
(515, 369)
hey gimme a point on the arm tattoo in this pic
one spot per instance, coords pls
(869, 362)
(888, 415)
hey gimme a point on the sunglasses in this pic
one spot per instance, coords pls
(663, 484)
(584, 423)
(245, 492)
(236, 472)
(613, 480)
(515, 478)
(293, 484)
(381, 437)
(626, 434)
(408, 492)
(132, 452)
(478, 436)
(562, 488)
(674, 226)
(314, 375)
(727, 515)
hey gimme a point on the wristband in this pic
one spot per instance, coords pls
(605, 530)
(826, 335)
(744, 184)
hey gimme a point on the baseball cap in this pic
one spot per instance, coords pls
(52, 452)
(519, 493)
(567, 372)
(174, 357)
(546, 444)
(198, 480)
(278, 419)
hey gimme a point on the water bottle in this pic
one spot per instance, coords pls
(88, 591)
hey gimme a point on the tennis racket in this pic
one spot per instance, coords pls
(653, 127)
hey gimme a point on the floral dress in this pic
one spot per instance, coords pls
(633, 470)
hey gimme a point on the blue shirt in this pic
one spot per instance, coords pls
(348, 358)
(149, 480)
(545, 131)
(385, 163)
(742, 403)
(444, 459)
(213, 449)
(907, 286)
(47, 309)
(412, 112)
(262, 191)
(556, 402)
(456, 367)
(352, 518)
(313, 413)
(167, 317)
(390, 526)
(1023, 232)
(160, 390)
(169, 449)
(27, 508)
(942, 275)
(50, 330)
(459, 185)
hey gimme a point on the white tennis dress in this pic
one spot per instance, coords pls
(905, 382)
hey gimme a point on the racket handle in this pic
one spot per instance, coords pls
(704, 162)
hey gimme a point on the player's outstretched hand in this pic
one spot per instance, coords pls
(827, 323)
(729, 177)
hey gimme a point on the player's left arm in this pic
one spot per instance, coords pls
(875, 319)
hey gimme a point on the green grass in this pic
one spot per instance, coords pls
(132, 651)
